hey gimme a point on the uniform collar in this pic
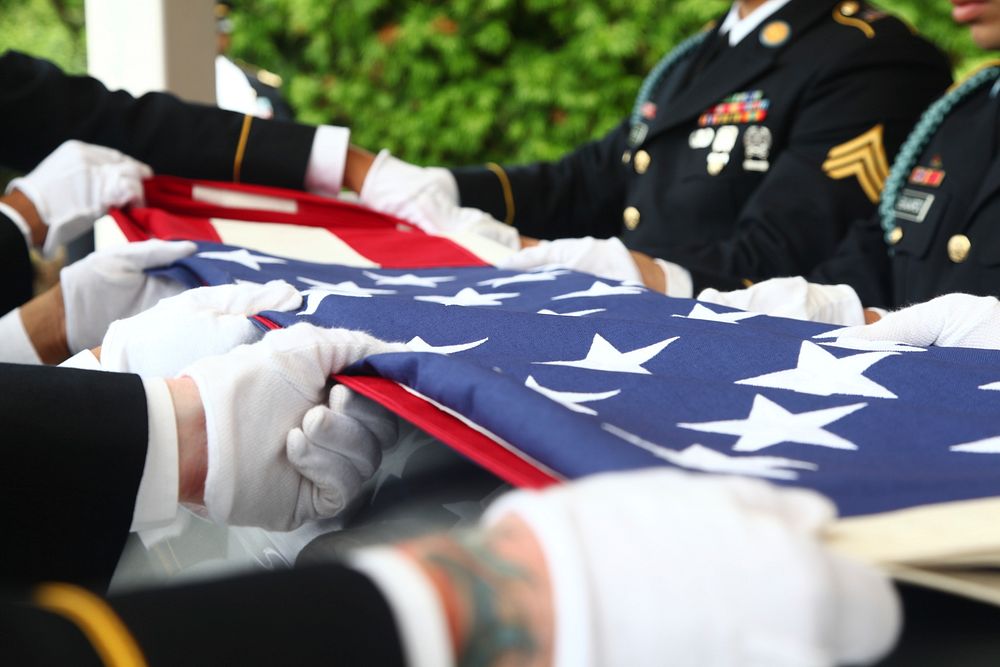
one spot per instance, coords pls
(737, 28)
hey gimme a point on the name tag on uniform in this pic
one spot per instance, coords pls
(913, 205)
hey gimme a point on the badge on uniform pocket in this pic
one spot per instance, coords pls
(913, 205)
(757, 140)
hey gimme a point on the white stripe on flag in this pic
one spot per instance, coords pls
(233, 199)
(308, 244)
(485, 249)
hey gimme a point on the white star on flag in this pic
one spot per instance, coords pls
(603, 356)
(575, 313)
(241, 256)
(769, 424)
(987, 446)
(699, 457)
(571, 399)
(346, 288)
(408, 279)
(865, 345)
(820, 373)
(418, 344)
(700, 312)
(470, 297)
(533, 277)
(993, 386)
(599, 289)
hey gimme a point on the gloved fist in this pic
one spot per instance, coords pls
(255, 397)
(339, 447)
(428, 197)
(660, 567)
(111, 284)
(952, 320)
(76, 184)
(606, 258)
(795, 298)
(197, 323)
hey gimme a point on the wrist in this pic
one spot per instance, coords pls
(356, 167)
(494, 587)
(20, 202)
(650, 272)
(192, 439)
(44, 319)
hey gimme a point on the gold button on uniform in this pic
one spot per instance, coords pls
(958, 248)
(642, 160)
(626, 157)
(896, 235)
(631, 217)
(849, 8)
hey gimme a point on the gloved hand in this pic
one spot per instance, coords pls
(607, 258)
(76, 184)
(952, 320)
(255, 397)
(660, 567)
(795, 298)
(428, 197)
(339, 446)
(197, 323)
(111, 284)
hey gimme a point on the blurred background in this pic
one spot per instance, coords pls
(448, 82)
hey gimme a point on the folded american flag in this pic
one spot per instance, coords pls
(575, 375)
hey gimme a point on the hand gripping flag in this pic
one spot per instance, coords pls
(553, 374)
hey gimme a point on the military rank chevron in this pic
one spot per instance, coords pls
(862, 157)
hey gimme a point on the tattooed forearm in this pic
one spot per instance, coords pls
(495, 589)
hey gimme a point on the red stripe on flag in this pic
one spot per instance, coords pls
(392, 249)
(139, 224)
(450, 430)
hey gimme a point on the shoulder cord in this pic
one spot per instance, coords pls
(651, 84)
(921, 135)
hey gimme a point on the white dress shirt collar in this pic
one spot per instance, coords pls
(737, 28)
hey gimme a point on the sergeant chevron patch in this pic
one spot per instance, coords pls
(862, 157)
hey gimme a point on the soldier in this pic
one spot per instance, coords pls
(935, 230)
(749, 150)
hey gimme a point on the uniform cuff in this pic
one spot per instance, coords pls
(679, 283)
(156, 500)
(18, 220)
(415, 605)
(17, 347)
(325, 171)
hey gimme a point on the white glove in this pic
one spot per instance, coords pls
(428, 197)
(339, 447)
(197, 323)
(607, 258)
(111, 284)
(254, 397)
(952, 320)
(76, 184)
(666, 568)
(794, 298)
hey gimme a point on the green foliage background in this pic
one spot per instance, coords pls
(457, 81)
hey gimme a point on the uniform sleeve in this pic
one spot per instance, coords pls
(579, 195)
(174, 137)
(74, 445)
(16, 274)
(861, 261)
(853, 120)
(322, 615)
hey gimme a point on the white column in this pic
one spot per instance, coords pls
(145, 45)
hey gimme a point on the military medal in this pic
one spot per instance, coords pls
(701, 138)
(757, 142)
(927, 176)
(725, 141)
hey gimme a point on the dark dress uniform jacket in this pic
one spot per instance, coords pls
(840, 86)
(947, 213)
(42, 107)
(74, 447)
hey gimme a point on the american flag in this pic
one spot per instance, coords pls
(553, 374)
